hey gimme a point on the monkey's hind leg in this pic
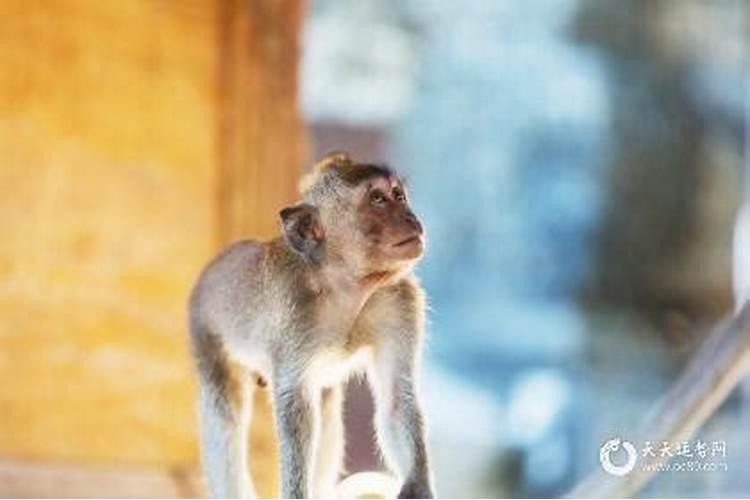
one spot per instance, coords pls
(225, 404)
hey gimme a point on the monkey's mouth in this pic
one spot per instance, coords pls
(408, 241)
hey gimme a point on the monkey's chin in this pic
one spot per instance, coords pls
(411, 256)
(410, 249)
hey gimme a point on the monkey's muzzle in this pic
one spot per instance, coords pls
(411, 240)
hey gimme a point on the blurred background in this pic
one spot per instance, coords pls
(578, 165)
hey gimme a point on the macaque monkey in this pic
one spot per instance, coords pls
(334, 295)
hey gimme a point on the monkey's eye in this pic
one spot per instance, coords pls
(377, 197)
(399, 195)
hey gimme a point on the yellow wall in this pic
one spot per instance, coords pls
(106, 182)
(136, 137)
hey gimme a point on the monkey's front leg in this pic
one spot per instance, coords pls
(295, 421)
(329, 457)
(399, 422)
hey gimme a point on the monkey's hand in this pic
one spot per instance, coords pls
(416, 489)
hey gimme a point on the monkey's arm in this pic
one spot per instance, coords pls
(400, 428)
(394, 376)
(716, 369)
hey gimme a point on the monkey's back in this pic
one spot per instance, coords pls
(226, 292)
(226, 279)
(235, 299)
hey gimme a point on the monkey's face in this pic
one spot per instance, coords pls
(388, 229)
(365, 220)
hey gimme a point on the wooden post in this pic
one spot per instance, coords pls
(261, 148)
(261, 142)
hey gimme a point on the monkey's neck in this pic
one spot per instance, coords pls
(377, 279)
(359, 282)
(343, 283)
(350, 289)
(340, 302)
(348, 284)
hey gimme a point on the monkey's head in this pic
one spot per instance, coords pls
(356, 213)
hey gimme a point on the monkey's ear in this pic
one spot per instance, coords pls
(303, 230)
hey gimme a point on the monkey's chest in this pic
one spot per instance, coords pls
(335, 365)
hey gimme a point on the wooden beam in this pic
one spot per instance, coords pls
(721, 363)
(261, 139)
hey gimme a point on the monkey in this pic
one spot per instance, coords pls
(335, 294)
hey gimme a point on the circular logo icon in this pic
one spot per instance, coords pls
(613, 446)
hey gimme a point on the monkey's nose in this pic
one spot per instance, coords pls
(412, 220)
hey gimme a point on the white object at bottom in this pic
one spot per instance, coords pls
(368, 485)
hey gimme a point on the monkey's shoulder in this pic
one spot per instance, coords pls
(243, 250)
(232, 268)
(250, 251)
